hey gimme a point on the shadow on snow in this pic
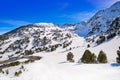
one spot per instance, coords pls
(115, 64)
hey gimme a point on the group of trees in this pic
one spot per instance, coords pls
(103, 38)
(66, 44)
(18, 73)
(89, 57)
(28, 52)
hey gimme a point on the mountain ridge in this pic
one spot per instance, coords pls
(99, 23)
(40, 51)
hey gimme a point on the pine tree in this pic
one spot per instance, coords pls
(28, 52)
(7, 72)
(102, 58)
(88, 57)
(70, 57)
(101, 40)
(44, 40)
(93, 58)
(118, 58)
(88, 45)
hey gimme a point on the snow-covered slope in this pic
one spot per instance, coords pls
(36, 37)
(80, 28)
(54, 66)
(38, 51)
(99, 23)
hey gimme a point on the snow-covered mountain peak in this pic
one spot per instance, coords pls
(44, 24)
(116, 5)
(36, 37)
(101, 21)
(98, 24)
(24, 51)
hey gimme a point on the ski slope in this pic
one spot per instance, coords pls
(53, 65)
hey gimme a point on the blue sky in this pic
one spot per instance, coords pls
(14, 13)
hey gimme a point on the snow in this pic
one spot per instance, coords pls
(53, 65)
(30, 44)
(102, 19)
(97, 24)
(109, 47)
(71, 71)
(8, 42)
(80, 29)
(44, 24)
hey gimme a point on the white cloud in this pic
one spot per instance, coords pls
(78, 17)
(83, 16)
(2, 32)
(99, 4)
(15, 22)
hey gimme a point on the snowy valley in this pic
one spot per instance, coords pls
(40, 51)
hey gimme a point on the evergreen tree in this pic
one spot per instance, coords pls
(118, 58)
(44, 40)
(28, 52)
(93, 58)
(70, 57)
(88, 45)
(88, 57)
(101, 40)
(7, 72)
(102, 58)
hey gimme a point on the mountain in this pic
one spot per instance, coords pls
(40, 51)
(80, 28)
(115, 26)
(99, 23)
(54, 66)
(36, 37)
(102, 20)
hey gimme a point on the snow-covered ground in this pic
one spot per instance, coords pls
(53, 65)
